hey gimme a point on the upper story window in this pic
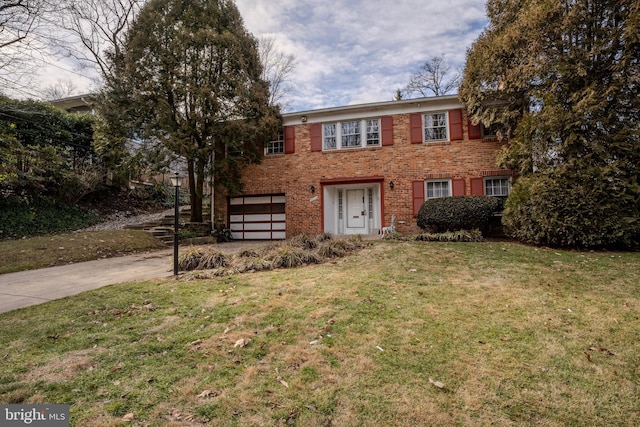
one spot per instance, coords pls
(435, 126)
(351, 134)
(373, 132)
(275, 147)
(234, 150)
(497, 186)
(489, 132)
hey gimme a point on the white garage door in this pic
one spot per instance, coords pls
(257, 217)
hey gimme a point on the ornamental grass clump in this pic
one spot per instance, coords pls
(212, 258)
(288, 256)
(303, 241)
(190, 259)
(198, 258)
(332, 249)
(340, 247)
(248, 264)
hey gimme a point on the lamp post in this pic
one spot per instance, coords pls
(176, 182)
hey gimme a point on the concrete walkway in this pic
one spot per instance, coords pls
(25, 288)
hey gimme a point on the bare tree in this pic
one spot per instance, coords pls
(100, 27)
(61, 89)
(22, 27)
(277, 69)
(435, 77)
(17, 20)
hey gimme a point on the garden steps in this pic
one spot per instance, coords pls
(163, 228)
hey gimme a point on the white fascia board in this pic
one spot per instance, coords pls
(373, 110)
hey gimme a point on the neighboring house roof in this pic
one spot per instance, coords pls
(75, 104)
(363, 110)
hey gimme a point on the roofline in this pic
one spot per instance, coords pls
(85, 99)
(362, 110)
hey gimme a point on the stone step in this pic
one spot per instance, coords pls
(155, 232)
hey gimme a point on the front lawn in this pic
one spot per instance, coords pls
(398, 333)
(59, 249)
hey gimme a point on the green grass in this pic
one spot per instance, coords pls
(59, 249)
(517, 335)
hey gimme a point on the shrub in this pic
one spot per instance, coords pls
(288, 256)
(332, 249)
(457, 213)
(324, 237)
(190, 259)
(248, 253)
(394, 236)
(564, 211)
(303, 241)
(212, 258)
(32, 216)
(197, 258)
(254, 264)
(451, 236)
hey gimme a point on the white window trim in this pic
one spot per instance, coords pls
(363, 134)
(424, 127)
(426, 191)
(280, 141)
(489, 178)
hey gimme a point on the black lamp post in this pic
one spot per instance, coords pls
(176, 181)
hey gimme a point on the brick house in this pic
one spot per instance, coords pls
(347, 170)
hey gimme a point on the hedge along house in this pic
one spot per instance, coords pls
(348, 170)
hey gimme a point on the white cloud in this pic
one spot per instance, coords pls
(349, 51)
(352, 51)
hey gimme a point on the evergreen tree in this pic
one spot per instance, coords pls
(561, 80)
(190, 76)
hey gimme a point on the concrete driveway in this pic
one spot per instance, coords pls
(25, 288)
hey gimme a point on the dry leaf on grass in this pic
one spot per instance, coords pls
(242, 342)
(208, 393)
(436, 383)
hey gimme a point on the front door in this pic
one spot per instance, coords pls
(356, 213)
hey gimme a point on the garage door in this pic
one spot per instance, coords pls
(257, 217)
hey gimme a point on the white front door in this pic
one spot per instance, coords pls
(356, 212)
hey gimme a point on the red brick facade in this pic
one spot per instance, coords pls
(302, 175)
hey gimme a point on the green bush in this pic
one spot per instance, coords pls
(457, 213)
(574, 212)
(165, 194)
(33, 216)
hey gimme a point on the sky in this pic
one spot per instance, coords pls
(347, 51)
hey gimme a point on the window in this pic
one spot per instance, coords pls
(435, 127)
(436, 189)
(329, 137)
(489, 132)
(352, 134)
(373, 132)
(496, 186)
(234, 150)
(275, 147)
